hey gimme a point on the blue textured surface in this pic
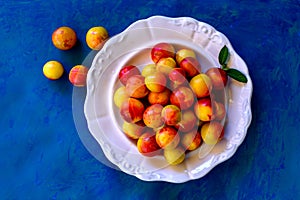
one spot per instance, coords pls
(42, 156)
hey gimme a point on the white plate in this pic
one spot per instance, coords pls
(132, 46)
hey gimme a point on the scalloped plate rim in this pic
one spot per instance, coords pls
(168, 179)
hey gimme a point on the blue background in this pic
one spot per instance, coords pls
(42, 156)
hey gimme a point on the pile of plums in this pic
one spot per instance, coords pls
(171, 106)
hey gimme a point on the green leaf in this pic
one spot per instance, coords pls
(237, 75)
(223, 55)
